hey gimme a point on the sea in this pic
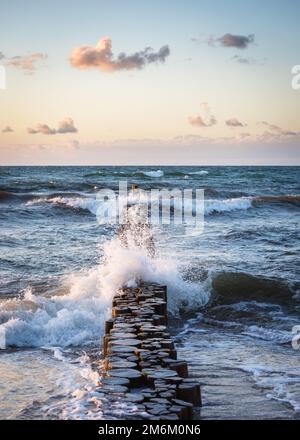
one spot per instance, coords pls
(233, 288)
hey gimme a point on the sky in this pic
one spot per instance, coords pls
(160, 82)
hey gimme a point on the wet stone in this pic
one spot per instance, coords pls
(122, 364)
(116, 335)
(160, 400)
(114, 389)
(157, 410)
(125, 342)
(134, 397)
(115, 381)
(140, 354)
(118, 349)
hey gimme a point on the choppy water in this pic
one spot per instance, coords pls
(235, 287)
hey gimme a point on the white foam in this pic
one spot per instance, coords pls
(78, 317)
(199, 173)
(88, 203)
(156, 173)
(278, 336)
(227, 205)
(282, 385)
(95, 206)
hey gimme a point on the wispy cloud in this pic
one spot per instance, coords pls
(234, 122)
(248, 60)
(204, 119)
(28, 63)
(230, 40)
(65, 126)
(7, 129)
(278, 130)
(101, 57)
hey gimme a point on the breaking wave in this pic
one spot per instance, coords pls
(156, 173)
(78, 317)
(94, 205)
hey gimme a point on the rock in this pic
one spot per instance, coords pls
(180, 367)
(108, 325)
(134, 376)
(121, 364)
(115, 381)
(189, 393)
(134, 397)
(126, 342)
(140, 354)
(114, 389)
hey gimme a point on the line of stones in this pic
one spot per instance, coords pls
(140, 360)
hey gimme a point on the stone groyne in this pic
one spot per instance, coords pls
(140, 361)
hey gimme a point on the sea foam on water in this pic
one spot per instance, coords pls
(77, 317)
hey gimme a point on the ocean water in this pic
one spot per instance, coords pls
(234, 287)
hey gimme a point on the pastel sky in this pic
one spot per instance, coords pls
(197, 82)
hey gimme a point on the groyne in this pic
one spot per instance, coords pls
(140, 360)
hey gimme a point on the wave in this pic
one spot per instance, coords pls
(82, 203)
(78, 317)
(198, 173)
(153, 173)
(95, 205)
(156, 173)
(227, 205)
(289, 199)
(6, 195)
(232, 287)
(268, 334)
(280, 384)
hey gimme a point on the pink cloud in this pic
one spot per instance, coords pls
(27, 63)
(204, 119)
(65, 126)
(101, 57)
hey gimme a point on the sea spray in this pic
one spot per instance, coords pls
(77, 317)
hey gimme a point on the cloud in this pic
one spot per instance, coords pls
(234, 122)
(271, 126)
(73, 145)
(204, 119)
(102, 58)
(244, 60)
(27, 63)
(197, 121)
(278, 131)
(230, 40)
(248, 60)
(7, 129)
(42, 128)
(65, 126)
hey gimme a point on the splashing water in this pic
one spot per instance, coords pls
(77, 317)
